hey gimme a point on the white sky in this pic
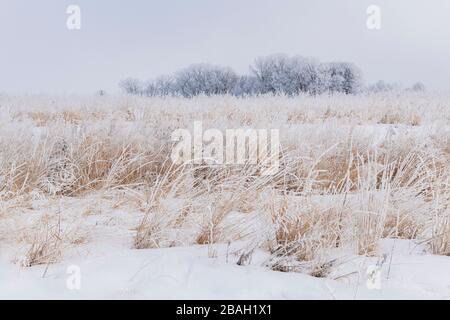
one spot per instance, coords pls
(146, 38)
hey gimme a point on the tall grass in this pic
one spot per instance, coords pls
(354, 170)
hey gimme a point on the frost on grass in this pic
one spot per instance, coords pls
(353, 171)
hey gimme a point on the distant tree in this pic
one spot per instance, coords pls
(131, 86)
(344, 77)
(382, 86)
(165, 85)
(322, 80)
(161, 86)
(149, 88)
(205, 79)
(275, 74)
(294, 75)
(304, 76)
(247, 86)
(418, 87)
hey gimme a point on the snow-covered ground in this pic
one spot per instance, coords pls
(108, 267)
(188, 273)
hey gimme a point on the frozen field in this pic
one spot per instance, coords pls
(359, 208)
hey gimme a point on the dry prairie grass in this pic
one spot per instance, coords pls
(45, 241)
(353, 170)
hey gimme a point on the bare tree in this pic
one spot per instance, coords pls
(382, 86)
(271, 72)
(418, 87)
(247, 86)
(344, 77)
(161, 86)
(131, 86)
(294, 75)
(205, 79)
(275, 74)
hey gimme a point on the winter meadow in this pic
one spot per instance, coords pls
(295, 180)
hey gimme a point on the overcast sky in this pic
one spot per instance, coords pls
(146, 38)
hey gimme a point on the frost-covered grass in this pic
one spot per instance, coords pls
(354, 170)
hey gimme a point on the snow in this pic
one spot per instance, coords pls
(111, 269)
(189, 273)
